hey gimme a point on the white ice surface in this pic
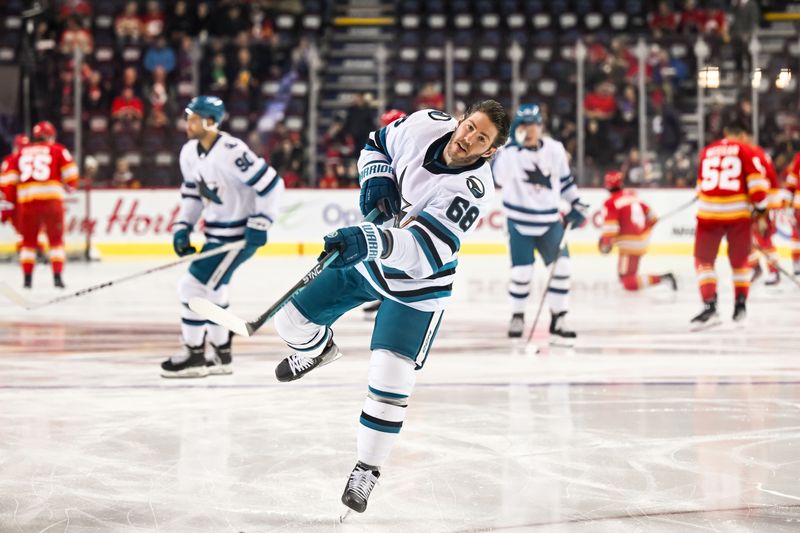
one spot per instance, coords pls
(643, 426)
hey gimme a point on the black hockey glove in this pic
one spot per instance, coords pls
(380, 192)
(181, 243)
(365, 242)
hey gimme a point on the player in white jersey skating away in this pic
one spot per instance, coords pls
(237, 194)
(534, 175)
(431, 173)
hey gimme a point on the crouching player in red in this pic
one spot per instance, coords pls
(626, 224)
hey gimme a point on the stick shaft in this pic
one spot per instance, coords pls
(777, 265)
(677, 209)
(547, 285)
(185, 259)
(310, 276)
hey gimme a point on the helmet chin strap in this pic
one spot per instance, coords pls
(520, 134)
(214, 128)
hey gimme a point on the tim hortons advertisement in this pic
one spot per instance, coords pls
(139, 221)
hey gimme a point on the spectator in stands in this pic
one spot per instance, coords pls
(218, 82)
(128, 25)
(231, 21)
(664, 21)
(75, 36)
(159, 55)
(288, 160)
(277, 57)
(181, 22)
(153, 21)
(127, 111)
(159, 100)
(600, 104)
(95, 95)
(184, 63)
(666, 125)
(329, 180)
(429, 97)
(202, 20)
(628, 115)
(123, 177)
(130, 80)
(359, 120)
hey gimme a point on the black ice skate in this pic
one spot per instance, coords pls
(190, 364)
(298, 365)
(57, 281)
(772, 279)
(517, 326)
(669, 277)
(27, 282)
(740, 309)
(559, 335)
(222, 363)
(707, 318)
(359, 485)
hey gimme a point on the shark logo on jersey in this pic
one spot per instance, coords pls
(207, 192)
(538, 179)
(405, 204)
(475, 186)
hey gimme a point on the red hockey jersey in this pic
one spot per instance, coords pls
(728, 182)
(626, 222)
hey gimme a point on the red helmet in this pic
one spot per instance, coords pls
(20, 141)
(390, 116)
(43, 130)
(613, 180)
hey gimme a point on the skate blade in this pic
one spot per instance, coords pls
(332, 359)
(183, 374)
(562, 343)
(708, 325)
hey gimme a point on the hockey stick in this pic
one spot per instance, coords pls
(677, 210)
(561, 245)
(777, 265)
(20, 300)
(225, 318)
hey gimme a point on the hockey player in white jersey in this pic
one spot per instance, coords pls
(236, 193)
(534, 175)
(430, 176)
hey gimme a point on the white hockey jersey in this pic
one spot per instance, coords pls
(534, 182)
(227, 185)
(440, 205)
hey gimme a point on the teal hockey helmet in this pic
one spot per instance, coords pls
(526, 114)
(207, 107)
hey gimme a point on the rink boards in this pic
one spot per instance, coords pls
(138, 222)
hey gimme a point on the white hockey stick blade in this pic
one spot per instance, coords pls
(15, 297)
(223, 317)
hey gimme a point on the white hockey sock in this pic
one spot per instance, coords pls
(519, 287)
(391, 380)
(301, 335)
(378, 430)
(558, 291)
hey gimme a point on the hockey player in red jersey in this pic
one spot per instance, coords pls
(626, 224)
(763, 163)
(7, 193)
(37, 176)
(792, 179)
(732, 195)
